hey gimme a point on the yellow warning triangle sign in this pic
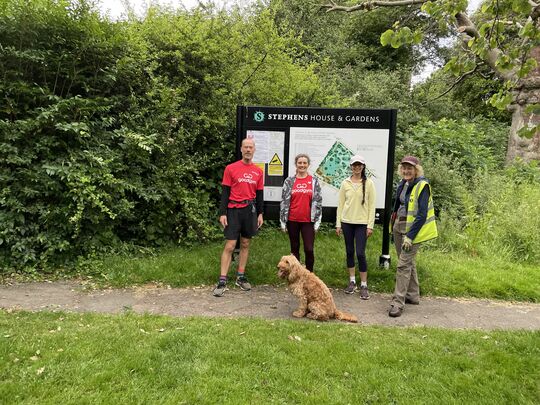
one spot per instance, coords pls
(275, 160)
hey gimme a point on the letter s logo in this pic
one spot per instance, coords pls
(258, 116)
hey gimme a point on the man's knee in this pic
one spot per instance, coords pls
(229, 246)
(244, 243)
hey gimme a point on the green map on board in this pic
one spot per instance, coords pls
(334, 168)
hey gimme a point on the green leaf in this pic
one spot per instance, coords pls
(527, 67)
(533, 109)
(396, 42)
(427, 7)
(528, 30)
(521, 6)
(500, 100)
(405, 32)
(528, 133)
(386, 37)
(484, 28)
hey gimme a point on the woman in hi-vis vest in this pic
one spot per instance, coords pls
(413, 222)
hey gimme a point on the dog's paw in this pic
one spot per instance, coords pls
(299, 314)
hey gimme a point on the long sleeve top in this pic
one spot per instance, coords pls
(350, 208)
(316, 203)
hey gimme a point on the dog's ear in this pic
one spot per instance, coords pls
(291, 259)
(294, 265)
(284, 267)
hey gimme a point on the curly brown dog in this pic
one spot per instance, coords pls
(316, 301)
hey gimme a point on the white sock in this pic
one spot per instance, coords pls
(363, 284)
(353, 279)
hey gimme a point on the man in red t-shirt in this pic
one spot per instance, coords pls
(241, 213)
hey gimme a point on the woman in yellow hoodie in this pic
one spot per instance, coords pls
(355, 218)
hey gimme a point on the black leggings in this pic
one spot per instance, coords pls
(350, 233)
(308, 236)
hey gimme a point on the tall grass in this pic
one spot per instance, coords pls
(498, 217)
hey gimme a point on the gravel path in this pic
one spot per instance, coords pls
(265, 302)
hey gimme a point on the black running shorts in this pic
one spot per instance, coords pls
(241, 222)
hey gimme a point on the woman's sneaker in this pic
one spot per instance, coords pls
(243, 283)
(350, 288)
(364, 293)
(220, 289)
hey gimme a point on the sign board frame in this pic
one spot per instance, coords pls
(329, 136)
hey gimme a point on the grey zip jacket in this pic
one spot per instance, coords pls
(285, 205)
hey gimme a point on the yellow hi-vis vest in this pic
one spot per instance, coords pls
(429, 229)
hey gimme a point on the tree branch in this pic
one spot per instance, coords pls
(466, 26)
(459, 80)
(535, 13)
(370, 5)
(254, 70)
(463, 24)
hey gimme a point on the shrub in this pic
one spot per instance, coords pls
(467, 145)
(118, 132)
(452, 153)
(482, 207)
(500, 217)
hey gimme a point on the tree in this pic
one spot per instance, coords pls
(504, 37)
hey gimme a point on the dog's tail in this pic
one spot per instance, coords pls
(345, 316)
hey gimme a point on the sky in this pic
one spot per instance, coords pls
(115, 8)
(429, 68)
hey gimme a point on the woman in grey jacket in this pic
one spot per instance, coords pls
(301, 209)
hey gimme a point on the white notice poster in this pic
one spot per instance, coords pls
(269, 156)
(330, 150)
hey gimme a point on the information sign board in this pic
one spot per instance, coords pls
(330, 137)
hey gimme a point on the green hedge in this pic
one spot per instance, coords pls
(115, 132)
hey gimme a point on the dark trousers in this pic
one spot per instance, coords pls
(308, 237)
(355, 233)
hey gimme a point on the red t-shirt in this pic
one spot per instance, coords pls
(301, 196)
(244, 181)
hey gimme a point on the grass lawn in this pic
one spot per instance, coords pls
(52, 358)
(441, 274)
